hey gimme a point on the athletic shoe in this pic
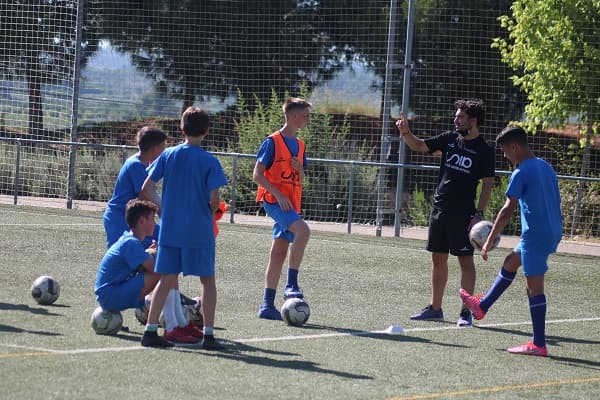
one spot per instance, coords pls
(180, 335)
(465, 319)
(209, 343)
(269, 312)
(192, 330)
(529, 349)
(292, 292)
(473, 303)
(151, 339)
(428, 314)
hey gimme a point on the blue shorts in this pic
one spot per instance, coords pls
(189, 261)
(535, 262)
(283, 220)
(122, 296)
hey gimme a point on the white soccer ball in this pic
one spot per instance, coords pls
(479, 234)
(106, 322)
(45, 289)
(141, 314)
(193, 312)
(295, 311)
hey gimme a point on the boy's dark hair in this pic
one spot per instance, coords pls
(136, 209)
(512, 134)
(295, 103)
(473, 108)
(194, 121)
(148, 137)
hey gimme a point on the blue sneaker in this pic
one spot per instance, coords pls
(428, 314)
(465, 319)
(269, 312)
(292, 292)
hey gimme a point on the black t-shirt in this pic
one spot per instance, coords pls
(462, 165)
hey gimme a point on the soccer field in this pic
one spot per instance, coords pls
(356, 286)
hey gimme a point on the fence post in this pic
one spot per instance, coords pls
(350, 195)
(385, 112)
(17, 168)
(233, 184)
(75, 105)
(408, 65)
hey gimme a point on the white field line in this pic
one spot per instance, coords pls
(294, 337)
(408, 330)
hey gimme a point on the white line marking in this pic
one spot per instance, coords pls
(297, 337)
(430, 329)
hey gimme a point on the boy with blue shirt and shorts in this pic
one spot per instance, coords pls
(533, 186)
(279, 173)
(191, 179)
(151, 142)
(126, 273)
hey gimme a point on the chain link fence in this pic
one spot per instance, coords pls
(78, 78)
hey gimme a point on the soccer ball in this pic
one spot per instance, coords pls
(479, 234)
(106, 322)
(295, 311)
(141, 314)
(193, 312)
(45, 290)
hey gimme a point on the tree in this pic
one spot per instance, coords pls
(37, 49)
(553, 45)
(198, 49)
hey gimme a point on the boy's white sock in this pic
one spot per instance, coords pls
(169, 310)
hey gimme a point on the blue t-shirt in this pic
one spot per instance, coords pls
(266, 153)
(535, 184)
(189, 174)
(120, 261)
(129, 183)
(127, 187)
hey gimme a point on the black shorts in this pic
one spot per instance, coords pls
(448, 232)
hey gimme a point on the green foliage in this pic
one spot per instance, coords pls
(419, 210)
(587, 222)
(553, 45)
(96, 174)
(497, 200)
(43, 173)
(323, 139)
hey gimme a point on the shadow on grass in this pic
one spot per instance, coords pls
(14, 329)
(378, 335)
(27, 308)
(555, 341)
(241, 352)
(550, 339)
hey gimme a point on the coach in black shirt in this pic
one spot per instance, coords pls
(466, 158)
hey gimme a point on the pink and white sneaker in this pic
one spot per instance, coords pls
(529, 349)
(472, 302)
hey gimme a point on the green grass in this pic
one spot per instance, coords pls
(354, 284)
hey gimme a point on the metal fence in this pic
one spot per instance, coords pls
(78, 78)
(339, 191)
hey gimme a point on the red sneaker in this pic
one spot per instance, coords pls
(179, 335)
(472, 302)
(192, 330)
(529, 349)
